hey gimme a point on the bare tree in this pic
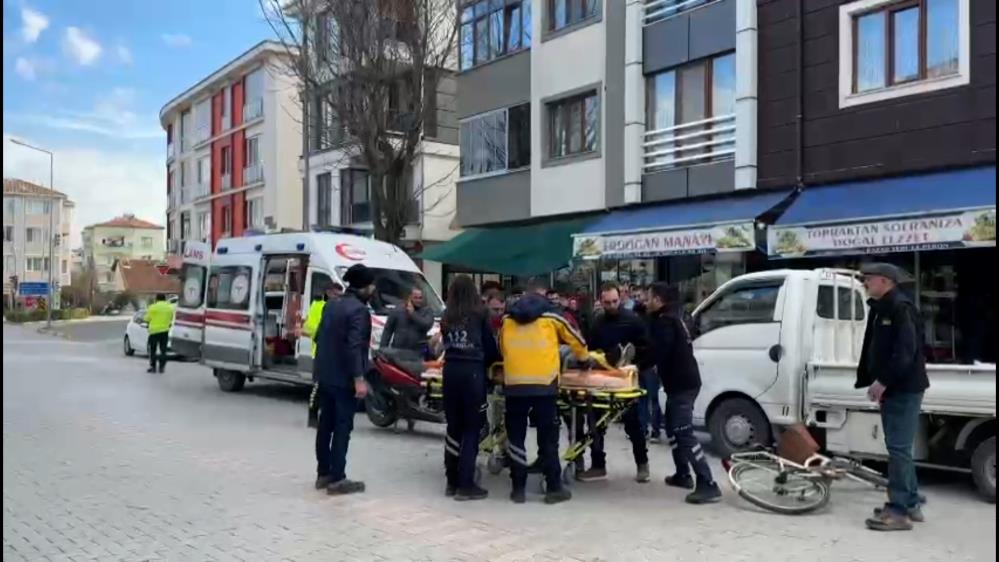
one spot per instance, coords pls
(370, 68)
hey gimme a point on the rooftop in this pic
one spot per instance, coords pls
(144, 277)
(128, 221)
(14, 186)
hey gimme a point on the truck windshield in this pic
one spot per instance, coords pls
(393, 286)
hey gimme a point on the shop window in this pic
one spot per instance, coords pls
(748, 304)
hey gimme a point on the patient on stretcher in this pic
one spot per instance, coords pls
(598, 374)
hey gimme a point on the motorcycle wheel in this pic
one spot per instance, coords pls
(381, 409)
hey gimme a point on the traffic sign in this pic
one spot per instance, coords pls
(33, 289)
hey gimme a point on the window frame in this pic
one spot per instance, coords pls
(848, 43)
(486, 11)
(589, 12)
(324, 199)
(580, 95)
(347, 201)
(506, 139)
(253, 208)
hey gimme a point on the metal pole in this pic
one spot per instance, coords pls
(48, 309)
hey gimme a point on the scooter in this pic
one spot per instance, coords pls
(403, 386)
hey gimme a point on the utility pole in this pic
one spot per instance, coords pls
(52, 202)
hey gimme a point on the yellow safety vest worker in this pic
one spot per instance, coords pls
(311, 324)
(159, 316)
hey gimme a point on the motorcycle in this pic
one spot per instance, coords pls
(403, 386)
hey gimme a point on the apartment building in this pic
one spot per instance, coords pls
(339, 183)
(121, 238)
(26, 208)
(233, 148)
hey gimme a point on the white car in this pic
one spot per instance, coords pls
(137, 334)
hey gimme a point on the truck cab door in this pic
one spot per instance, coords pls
(737, 341)
(230, 325)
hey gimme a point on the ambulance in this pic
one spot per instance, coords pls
(242, 308)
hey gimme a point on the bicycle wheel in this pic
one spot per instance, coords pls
(787, 493)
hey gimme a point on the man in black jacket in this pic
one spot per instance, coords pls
(343, 343)
(407, 326)
(671, 352)
(893, 369)
(615, 328)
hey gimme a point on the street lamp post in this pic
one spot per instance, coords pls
(48, 308)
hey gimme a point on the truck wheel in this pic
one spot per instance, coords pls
(738, 424)
(983, 469)
(230, 381)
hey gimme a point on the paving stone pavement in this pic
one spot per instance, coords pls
(105, 462)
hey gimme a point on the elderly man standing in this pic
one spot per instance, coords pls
(893, 370)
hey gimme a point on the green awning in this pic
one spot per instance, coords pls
(531, 249)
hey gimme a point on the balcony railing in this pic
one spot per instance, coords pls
(658, 10)
(690, 143)
(253, 109)
(226, 181)
(253, 174)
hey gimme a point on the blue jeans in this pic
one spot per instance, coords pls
(900, 418)
(649, 412)
(336, 420)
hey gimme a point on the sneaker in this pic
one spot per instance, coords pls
(592, 474)
(450, 490)
(916, 514)
(518, 496)
(162, 369)
(642, 474)
(151, 370)
(344, 487)
(704, 493)
(473, 493)
(680, 481)
(322, 482)
(558, 496)
(888, 521)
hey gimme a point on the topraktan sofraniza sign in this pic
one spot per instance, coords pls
(723, 238)
(967, 229)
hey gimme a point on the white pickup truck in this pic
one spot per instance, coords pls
(781, 347)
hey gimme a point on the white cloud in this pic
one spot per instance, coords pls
(102, 183)
(33, 23)
(113, 115)
(124, 54)
(25, 68)
(81, 47)
(176, 40)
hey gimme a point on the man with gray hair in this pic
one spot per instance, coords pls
(893, 369)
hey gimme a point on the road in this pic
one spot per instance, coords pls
(105, 462)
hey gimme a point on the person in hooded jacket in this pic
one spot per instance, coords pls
(529, 342)
(469, 349)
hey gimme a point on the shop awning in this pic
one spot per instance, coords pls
(529, 249)
(953, 209)
(723, 225)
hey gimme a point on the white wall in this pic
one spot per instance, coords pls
(561, 65)
(436, 175)
(282, 116)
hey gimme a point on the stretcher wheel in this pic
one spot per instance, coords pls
(569, 474)
(495, 464)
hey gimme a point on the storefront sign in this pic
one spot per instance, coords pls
(722, 238)
(954, 230)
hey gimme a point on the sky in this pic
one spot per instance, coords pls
(87, 79)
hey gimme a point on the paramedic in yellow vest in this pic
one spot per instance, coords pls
(529, 343)
(158, 318)
(315, 314)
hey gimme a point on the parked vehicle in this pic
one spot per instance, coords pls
(189, 317)
(137, 334)
(256, 293)
(777, 348)
(401, 388)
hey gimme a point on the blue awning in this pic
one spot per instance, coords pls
(906, 196)
(723, 224)
(943, 210)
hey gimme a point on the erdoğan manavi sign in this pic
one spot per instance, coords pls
(738, 237)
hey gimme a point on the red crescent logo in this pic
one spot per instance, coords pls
(349, 252)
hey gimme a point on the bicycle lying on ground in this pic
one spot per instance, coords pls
(786, 487)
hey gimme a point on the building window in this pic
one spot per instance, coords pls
(8, 266)
(573, 125)
(226, 110)
(8, 233)
(147, 241)
(32, 235)
(691, 113)
(36, 207)
(252, 151)
(890, 48)
(204, 171)
(325, 129)
(37, 264)
(204, 226)
(186, 130)
(355, 191)
(185, 228)
(324, 199)
(564, 13)
(203, 120)
(493, 28)
(254, 213)
(65, 267)
(496, 141)
(254, 95)
(226, 219)
(11, 207)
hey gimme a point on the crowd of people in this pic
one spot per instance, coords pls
(529, 330)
